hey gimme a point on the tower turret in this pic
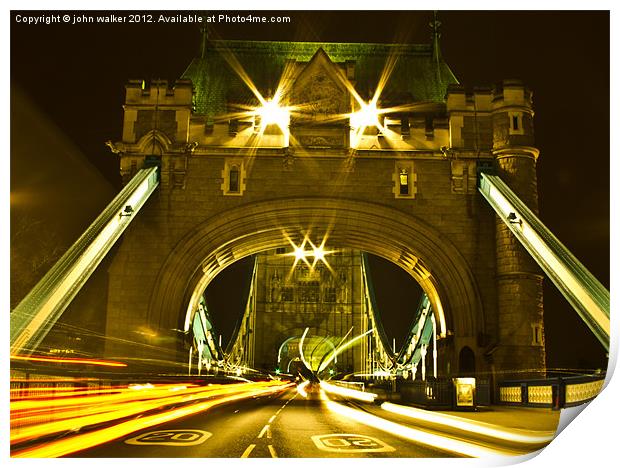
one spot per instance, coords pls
(519, 280)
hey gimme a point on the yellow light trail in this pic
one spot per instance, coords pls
(65, 418)
(94, 362)
(37, 392)
(511, 435)
(94, 397)
(68, 413)
(301, 388)
(301, 350)
(83, 441)
(349, 392)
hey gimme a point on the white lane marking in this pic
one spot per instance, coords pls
(350, 443)
(272, 451)
(248, 451)
(263, 430)
(171, 437)
(271, 419)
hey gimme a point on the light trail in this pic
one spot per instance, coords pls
(511, 435)
(342, 348)
(441, 442)
(92, 397)
(56, 392)
(83, 441)
(301, 350)
(76, 415)
(94, 362)
(88, 412)
(349, 392)
(301, 389)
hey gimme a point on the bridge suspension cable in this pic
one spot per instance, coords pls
(37, 313)
(582, 290)
(422, 333)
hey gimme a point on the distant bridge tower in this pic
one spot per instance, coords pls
(330, 299)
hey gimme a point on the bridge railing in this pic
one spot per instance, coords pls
(360, 386)
(556, 393)
(429, 394)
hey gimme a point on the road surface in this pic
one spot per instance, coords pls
(283, 425)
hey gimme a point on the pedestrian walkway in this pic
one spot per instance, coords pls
(535, 419)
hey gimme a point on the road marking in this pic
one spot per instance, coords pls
(272, 451)
(170, 437)
(350, 443)
(443, 442)
(248, 451)
(271, 419)
(281, 408)
(262, 432)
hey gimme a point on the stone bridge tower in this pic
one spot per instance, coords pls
(401, 185)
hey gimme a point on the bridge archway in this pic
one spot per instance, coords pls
(405, 240)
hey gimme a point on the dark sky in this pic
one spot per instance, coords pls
(76, 75)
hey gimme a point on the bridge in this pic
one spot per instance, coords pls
(364, 148)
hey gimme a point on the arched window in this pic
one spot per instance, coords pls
(233, 175)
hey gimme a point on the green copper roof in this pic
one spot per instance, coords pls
(416, 76)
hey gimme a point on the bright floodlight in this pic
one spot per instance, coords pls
(271, 113)
(367, 116)
(319, 253)
(300, 254)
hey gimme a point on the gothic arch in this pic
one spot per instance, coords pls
(154, 141)
(407, 241)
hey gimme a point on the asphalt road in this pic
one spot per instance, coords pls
(285, 425)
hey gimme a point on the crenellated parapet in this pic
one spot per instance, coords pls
(156, 129)
(513, 117)
(470, 118)
(157, 106)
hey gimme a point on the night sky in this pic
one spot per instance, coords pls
(76, 75)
